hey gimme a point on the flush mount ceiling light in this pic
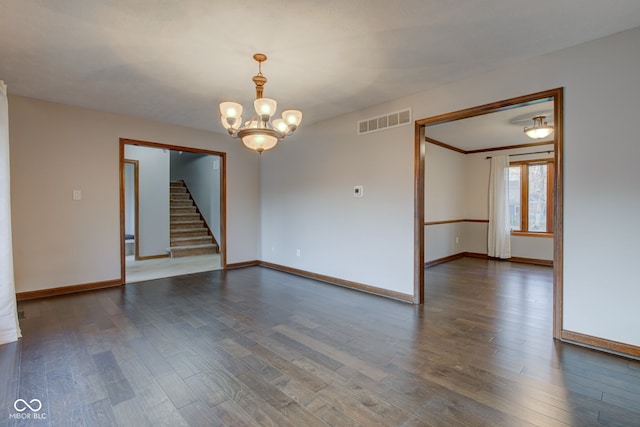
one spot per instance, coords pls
(259, 133)
(540, 128)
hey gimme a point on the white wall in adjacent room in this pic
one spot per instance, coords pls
(456, 188)
(153, 198)
(129, 199)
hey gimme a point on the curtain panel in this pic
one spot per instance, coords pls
(499, 235)
(9, 327)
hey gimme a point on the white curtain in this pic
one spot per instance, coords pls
(499, 237)
(9, 328)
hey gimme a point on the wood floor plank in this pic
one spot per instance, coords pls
(182, 364)
(64, 404)
(99, 414)
(340, 356)
(258, 347)
(245, 397)
(282, 403)
(130, 413)
(231, 414)
(154, 361)
(317, 356)
(289, 369)
(113, 379)
(295, 390)
(198, 414)
(207, 390)
(178, 392)
(157, 406)
(333, 416)
(150, 396)
(343, 403)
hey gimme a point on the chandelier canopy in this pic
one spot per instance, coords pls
(260, 133)
(540, 128)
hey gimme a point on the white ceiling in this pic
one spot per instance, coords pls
(497, 129)
(174, 61)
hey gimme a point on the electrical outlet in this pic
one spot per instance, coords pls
(77, 195)
(457, 240)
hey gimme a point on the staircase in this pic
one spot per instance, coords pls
(190, 235)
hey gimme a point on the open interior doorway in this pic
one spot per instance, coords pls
(458, 144)
(172, 210)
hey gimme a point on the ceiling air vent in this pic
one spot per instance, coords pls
(391, 120)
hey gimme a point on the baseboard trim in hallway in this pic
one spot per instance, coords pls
(62, 290)
(609, 346)
(521, 260)
(340, 282)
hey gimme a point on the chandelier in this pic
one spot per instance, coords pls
(260, 133)
(540, 128)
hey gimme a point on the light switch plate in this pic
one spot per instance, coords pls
(358, 191)
(77, 195)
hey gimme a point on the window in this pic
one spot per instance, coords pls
(531, 197)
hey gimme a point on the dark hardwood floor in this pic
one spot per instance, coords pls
(258, 347)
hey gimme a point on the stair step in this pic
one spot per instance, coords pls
(184, 217)
(189, 232)
(183, 210)
(190, 241)
(189, 235)
(182, 251)
(185, 224)
(179, 196)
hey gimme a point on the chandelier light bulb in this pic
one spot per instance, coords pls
(281, 126)
(292, 117)
(231, 116)
(265, 108)
(230, 109)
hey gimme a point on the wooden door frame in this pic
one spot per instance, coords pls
(419, 175)
(223, 194)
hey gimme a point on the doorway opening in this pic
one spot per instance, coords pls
(426, 131)
(172, 210)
